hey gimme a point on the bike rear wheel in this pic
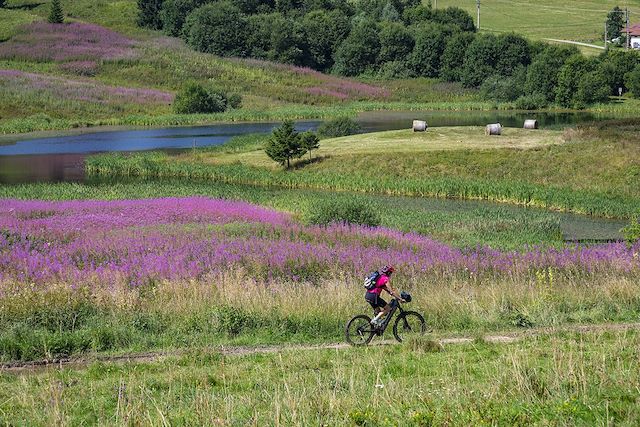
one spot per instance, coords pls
(409, 324)
(359, 330)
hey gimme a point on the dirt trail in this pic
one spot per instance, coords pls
(504, 338)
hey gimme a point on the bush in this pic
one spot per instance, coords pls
(218, 28)
(571, 74)
(542, 74)
(342, 126)
(149, 14)
(504, 89)
(56, 16)
(197, 99)
(592, 88)
(631, 232)
(394, 70)
(343, 212)
(174, 13)
(632, 81)
(454, 16)
(536, 101)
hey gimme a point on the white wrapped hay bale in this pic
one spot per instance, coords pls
(531, 124)
(419, 126)
(493, 129)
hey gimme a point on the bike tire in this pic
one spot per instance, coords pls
(359, 330)
(411, 321)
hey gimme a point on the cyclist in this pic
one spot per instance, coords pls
(380, 306)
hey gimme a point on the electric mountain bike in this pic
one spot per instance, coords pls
(360, 331)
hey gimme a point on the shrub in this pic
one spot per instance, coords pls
(542, 74)
(174, 13)
(514, 53)
(218, 28)
(571, 74)
(197, 99)
(343, 211)
(592, 88)
(632, 81)
(341, 126)
(631, 232)
(535, 101)
(149, 14)
(56, 16)
(454, 16)
(504, 89)
(394, 70)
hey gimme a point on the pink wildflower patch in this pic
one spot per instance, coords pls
(136, 242)
(80, 68)
(41, 41)
(19, 82)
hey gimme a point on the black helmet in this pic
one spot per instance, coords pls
(405, 296)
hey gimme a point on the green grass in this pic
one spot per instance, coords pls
(594, 171)
(561, 379)
(579, 20)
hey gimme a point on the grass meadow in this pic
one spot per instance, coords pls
(562, 378)
(578, 20)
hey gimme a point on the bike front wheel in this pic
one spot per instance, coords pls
(359, 330)
(409, 324)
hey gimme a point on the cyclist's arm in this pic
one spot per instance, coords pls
(392, 291)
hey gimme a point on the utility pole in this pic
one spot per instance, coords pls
(478, 5)
(627, 42)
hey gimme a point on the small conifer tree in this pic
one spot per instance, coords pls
(56, 16)
(284, 144)
(310, 141)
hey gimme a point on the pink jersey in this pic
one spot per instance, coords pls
(381, 283)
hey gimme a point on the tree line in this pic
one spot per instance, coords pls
(396, 39)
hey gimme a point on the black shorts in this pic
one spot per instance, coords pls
(375, 300)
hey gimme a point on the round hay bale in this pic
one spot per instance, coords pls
(419, 126)
(531, 124)
(493, 129)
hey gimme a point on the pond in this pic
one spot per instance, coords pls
(60, 157)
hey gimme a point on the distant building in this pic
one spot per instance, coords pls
(634, 36)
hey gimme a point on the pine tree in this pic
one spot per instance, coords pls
(309, 142)
(615, 23)
(56, 16)
(284, 144)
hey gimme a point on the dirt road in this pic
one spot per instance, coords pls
(504, 338)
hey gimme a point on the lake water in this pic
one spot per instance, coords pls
(60, 158)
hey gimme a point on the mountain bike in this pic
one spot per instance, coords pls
(360, 331)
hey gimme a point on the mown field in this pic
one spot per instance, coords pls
(578, 20)
(592, 169)
(563, 378)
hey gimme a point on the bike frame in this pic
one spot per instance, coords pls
(395, 305)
